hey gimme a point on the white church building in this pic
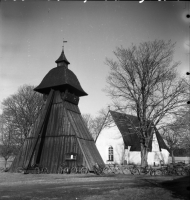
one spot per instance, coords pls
(118, 143)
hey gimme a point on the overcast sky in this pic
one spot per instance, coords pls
(31, 39)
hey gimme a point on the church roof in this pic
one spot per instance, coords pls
(62, 78)
(123, 122)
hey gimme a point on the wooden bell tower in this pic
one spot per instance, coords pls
(59, 133)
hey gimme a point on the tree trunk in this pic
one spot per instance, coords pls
(172, 154)
(6, 163)
(144, 155)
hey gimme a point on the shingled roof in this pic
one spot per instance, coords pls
(61, 77)
(62, 58)
(123, 122)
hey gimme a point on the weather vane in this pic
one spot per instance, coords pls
(63, 43)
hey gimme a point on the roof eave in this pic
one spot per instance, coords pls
(64, 86)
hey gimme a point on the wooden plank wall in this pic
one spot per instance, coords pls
(65, 133)
(85, 141)
(59, 139)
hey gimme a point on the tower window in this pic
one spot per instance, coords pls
(110, 153)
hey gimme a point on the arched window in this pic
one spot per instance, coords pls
(110, 153)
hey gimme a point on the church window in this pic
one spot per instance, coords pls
(110, 153)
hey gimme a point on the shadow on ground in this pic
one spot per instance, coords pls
(180, 187)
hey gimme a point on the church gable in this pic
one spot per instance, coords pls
(110, 144)
(123, 141)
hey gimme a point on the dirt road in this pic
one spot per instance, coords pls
(83, 187)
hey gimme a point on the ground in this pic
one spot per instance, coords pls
(15, 186)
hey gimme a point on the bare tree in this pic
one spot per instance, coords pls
(182, 126)
(177, 133)
(96, 124)
(20, 110)
(88, 120)
(7, 146)
(93, 124)
(144, 81)
(7, 149)
(173, 139)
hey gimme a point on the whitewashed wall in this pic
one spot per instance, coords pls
(153, 157)
(156, 155)
(111, 136)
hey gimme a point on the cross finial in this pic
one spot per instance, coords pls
(63, 43)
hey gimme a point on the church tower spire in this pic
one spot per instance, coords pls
(62, 60)
(61, 78)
